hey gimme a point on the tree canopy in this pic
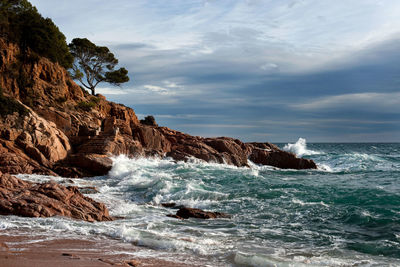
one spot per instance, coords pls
(21, 23)
(95, 64)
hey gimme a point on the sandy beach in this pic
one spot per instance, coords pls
(38, 251)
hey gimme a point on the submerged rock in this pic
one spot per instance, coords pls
(23, 198)
(186, 213)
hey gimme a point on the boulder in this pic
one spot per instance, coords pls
(23, 198)
(273, 156)
(186, 213)
(93, 164)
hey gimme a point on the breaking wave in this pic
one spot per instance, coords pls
(300, 148)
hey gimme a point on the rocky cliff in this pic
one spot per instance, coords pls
(49, 125)
(68, 132)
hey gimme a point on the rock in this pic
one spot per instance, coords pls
(22, 198)
(38, 139)
(168, 205)
(152, 139)
(175, 216)
(267, 154)
(92, 164)
(59, 137)
(13, 160)
(187, 213)
(172, 205)
(133, 263)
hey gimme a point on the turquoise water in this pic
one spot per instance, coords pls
(347, 213)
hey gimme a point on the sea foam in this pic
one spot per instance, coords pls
(300, 148)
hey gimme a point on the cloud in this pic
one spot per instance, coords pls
(112, 91)
(327, 70)
(388, 102)
(157, 89)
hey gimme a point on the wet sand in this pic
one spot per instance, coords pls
(39, 251)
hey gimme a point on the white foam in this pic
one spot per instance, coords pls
(263, 260)
(300, 148)
(302, 203)
(4, 225)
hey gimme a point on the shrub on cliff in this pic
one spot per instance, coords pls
(149, 120)
(88, 106)
(21, 23)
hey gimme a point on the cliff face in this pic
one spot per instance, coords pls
(70, 133)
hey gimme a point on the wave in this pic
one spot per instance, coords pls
(276, 213)
(300, 148)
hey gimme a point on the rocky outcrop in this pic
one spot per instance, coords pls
(270, 154)
(28, 199)
(30, 144)
(71, 133)
(186, 213)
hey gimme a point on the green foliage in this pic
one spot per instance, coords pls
(88, 106)
(20, 22)
(95, 100)
(95, 64)
(9, 105)
(149, 120)
(117, 77)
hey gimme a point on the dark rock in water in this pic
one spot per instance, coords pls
(169, 205)
(174, 216)
(23, 198)
(187, 213)
(172, 205)
(269, 154)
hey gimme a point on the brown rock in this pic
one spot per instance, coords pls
(152, 139)
(22, 198)
(93, 163)
(187, 213)
(267, 154)
(59, 136)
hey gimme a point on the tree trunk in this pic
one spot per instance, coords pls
(92, 89)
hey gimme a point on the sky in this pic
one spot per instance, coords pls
(257, 70)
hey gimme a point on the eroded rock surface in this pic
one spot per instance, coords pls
(186, 213)
(71, 133)
(23, 198)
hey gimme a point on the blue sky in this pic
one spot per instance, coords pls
(271, 70)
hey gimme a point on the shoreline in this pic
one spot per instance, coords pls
(24, 250)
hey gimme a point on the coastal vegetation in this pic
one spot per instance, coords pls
(21, 23)
(36, 36)
(95, 64)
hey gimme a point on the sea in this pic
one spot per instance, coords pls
(345, 213)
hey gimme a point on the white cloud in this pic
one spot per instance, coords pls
(112, 91)
(269, 67)
(298, 36)
(371, 101)
(158, 89)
